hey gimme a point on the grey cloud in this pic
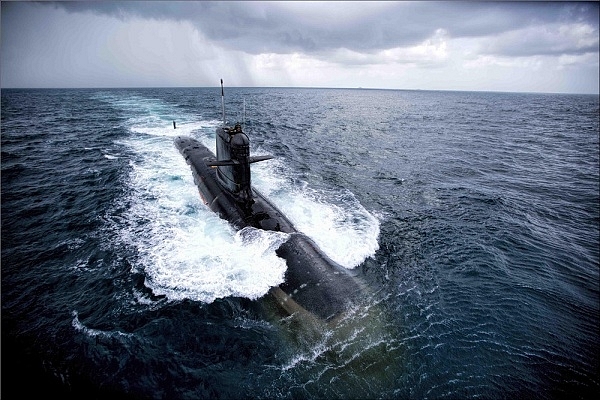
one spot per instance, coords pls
(569, 40)
(573, 30)
(258, 27)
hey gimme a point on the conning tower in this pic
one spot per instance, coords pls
(233, 161)
(233, 146)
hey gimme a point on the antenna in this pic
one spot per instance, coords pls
(223, 102)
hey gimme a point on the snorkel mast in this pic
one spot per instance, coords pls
(223, 102)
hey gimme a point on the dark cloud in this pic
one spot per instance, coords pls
(275, 27)
(436, 45)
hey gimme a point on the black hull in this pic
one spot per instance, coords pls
(313, 282)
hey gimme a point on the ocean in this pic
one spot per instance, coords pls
(471, 218)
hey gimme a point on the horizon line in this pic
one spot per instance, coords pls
(291, 87)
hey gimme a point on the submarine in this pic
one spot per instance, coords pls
(314, 285)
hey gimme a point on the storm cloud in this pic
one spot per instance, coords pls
(285, 43)
(258, 27)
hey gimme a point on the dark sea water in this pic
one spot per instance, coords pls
(471, 218)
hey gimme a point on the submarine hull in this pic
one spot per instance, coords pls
(314, 283)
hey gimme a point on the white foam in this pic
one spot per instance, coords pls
(244, 265)
(165, 128)
(336, 221)
(186, 250)
(76, 323)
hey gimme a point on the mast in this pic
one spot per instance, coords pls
(223, 102)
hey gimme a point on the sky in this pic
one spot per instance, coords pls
(480, 46)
